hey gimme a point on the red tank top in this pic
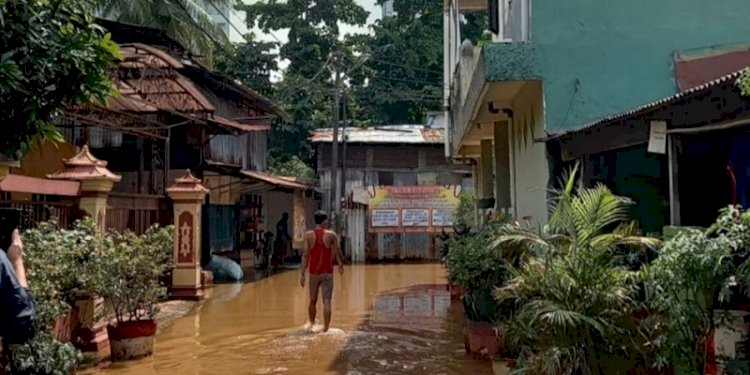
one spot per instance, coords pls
(321, 259)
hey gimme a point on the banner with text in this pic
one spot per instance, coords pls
(412, 208)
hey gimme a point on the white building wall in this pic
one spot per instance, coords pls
(530, 169)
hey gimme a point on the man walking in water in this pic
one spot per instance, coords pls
(320, 246)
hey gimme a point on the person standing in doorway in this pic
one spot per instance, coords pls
(282, 238)
(321, 245)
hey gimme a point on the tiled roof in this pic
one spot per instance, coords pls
(84, 166)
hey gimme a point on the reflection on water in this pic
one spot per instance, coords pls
(387, 319)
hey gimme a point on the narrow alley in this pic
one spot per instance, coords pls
(386, 319)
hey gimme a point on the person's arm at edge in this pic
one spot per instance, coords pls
(15, 256)
(305, 260)
(339, 254)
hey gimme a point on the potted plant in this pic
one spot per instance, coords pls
(133, 292)
(572, 295)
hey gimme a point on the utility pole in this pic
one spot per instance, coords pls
(335, 188)
(343, 221)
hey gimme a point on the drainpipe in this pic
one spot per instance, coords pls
(447, 76)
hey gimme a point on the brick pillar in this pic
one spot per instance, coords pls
(96, 182)
(187, 194)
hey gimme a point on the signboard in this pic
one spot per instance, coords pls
(396, 209)
(657, 140)
(415, 218)
(442, 218)
(384, 218)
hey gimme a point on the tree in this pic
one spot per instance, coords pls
(251, 62)
(47, 46)
(402, 75)
(183, 20)
(306, 88)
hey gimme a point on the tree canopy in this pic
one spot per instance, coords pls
(53, 56)
(392, 75)
(183, 20)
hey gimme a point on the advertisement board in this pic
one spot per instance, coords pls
(412, 208)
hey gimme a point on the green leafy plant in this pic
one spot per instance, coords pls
(476, 268)
(138, 263)
(575, 302)
(45, 46)
(44, 355)
(698, 272)
(63, 264)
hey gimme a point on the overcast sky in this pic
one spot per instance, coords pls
(281, 35)
(369, 5)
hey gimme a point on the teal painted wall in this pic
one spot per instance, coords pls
(599, 57)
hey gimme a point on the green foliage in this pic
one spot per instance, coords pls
(307, 86)
(290, 166)
(44, 355)
(45, 46)
(183, 20)
(465, 212)
(575, 301)
(138, 262)
(62, 264)
(251, 62)
(476, 268)
(744, 82)
(696, 273)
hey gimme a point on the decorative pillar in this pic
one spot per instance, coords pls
(96, 183)
(187, 194)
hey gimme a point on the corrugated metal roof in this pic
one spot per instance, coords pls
(638, 110)
(411, 134)
(284, 182)
(234, 125)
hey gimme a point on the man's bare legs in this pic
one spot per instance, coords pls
(326, 314)
(312, 311)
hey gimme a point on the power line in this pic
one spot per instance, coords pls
(225, 17)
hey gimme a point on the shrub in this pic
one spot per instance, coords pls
(139, 262)
(477, 268)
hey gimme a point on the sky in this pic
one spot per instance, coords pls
(369, 5)
(281, 35)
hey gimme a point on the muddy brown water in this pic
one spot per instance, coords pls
(387, 319)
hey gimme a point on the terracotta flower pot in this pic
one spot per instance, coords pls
(132, 340)
(481, 340)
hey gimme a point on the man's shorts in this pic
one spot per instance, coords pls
(322, 281)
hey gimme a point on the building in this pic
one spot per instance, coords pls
(387, 7)
(227, 18)
(556, 67)
(172, 114)
(696, 142)
(387, 169)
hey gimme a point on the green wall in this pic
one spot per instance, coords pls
(600, 57)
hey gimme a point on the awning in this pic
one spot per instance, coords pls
(277, 181)
(233, 126)
(14, 183)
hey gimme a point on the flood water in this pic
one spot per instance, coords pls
(387, 319)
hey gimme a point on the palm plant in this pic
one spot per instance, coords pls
(183, 20)
(574, 296)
